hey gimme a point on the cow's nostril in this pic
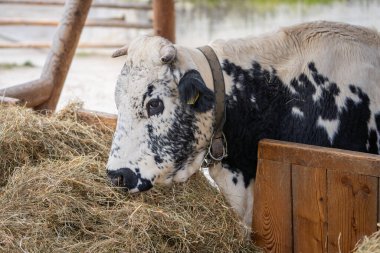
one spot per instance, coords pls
(123, 177)
(117, 181)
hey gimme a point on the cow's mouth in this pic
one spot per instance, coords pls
(129, 180)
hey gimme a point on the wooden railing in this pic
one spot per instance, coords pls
(106, 22)
(120, 5)
(43, 93)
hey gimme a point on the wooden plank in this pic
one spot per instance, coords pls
(116, 5)
(309, 209)
(164, 19)
(32, 93)
(99, 119)
(352, 209)
(272, 214)
(320, 157)
(89, 23)
(33, 44)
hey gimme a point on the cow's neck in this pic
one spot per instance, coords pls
(191, 58)
(239, 196)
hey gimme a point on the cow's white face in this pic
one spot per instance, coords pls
(165, 118)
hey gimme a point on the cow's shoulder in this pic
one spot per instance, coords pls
(322, 30)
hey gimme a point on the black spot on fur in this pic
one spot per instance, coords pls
(373, 145)
(270, 114)
(318, 78)
(157, 159)
(178, 143)
(234, 180)
(148, 93)
(144, 185)
(353, 128)
(191, 85)
(377, 120)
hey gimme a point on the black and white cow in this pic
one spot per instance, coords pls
(315, 83)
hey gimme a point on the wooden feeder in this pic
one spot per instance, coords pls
(314, 199)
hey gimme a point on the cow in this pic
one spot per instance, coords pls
(315, 83)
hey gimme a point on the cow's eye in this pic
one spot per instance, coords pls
(154, 107)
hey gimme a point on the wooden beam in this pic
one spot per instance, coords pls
(309, 193)
(62, 52)
(164, 19)
(33, 93)
(134, 6)
(89, 23)
(320, 157)
(33, 44)
(272, 216)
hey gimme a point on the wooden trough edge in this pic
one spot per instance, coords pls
(319, 157)
(97, 118)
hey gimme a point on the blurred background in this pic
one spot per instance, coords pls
(93, 73)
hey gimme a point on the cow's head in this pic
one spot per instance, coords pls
(165, 116)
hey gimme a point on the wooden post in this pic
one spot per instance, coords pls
(164, 19)
(62, 52)
(33, 93)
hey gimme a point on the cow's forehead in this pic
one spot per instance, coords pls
(137, 85)
(145, 51)
(140, 79)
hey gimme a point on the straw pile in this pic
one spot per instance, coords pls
(55, 197)
(369, 244)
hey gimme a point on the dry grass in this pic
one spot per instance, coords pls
(369, 244)
(55, 197)
(27, 138)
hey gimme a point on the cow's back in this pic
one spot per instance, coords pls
(316, 83)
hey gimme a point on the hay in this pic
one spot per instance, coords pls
(26, 138)
(369, 244)
(56, 197)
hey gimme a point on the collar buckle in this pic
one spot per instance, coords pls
(217, 150)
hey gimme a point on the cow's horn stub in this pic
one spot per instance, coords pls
(168, 54)
(120, 52)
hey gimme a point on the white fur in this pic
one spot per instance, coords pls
(238, 196)
(297, 112)
(330, 126)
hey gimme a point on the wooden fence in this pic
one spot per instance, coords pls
(43, 94)
(314, 199)
(163, 20)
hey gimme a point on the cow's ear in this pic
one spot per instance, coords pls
(194, 92)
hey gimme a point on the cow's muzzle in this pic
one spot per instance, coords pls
(128, 180)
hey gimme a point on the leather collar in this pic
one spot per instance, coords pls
(218, 146)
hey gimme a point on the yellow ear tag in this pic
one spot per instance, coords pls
(192, 100)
